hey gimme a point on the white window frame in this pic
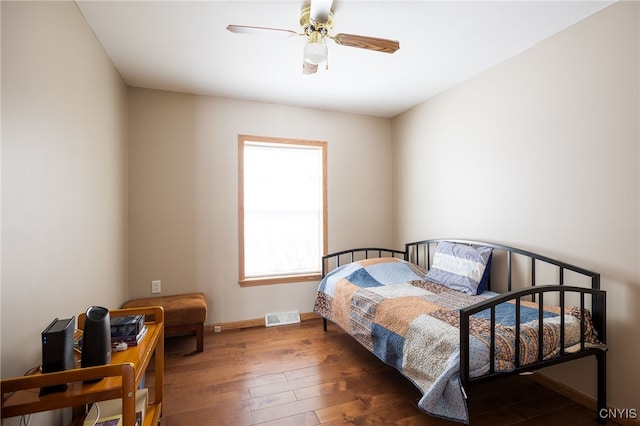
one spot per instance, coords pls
(285, 277)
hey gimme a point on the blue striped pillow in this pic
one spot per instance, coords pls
(460, 267)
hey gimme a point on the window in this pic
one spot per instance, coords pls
(282, 209)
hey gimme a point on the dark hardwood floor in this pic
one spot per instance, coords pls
(299, 375)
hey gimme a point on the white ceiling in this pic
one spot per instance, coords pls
(184, 46)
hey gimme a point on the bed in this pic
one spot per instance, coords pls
(445, 313)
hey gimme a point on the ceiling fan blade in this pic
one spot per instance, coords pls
(320, 10)
(308, 68)
(244, 29)
(365, 42)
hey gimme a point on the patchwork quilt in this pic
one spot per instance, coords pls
(413, 325)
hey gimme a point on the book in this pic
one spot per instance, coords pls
(130, 340)
(105, 421)
(111, 410)
(130, 325)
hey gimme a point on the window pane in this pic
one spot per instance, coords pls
(283, 209)
(278, 244)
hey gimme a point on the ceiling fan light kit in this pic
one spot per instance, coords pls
(316, 19)
(315, 51)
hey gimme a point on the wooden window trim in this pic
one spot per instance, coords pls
(296, 278)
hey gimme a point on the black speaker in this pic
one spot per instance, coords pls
(57, 350)
(96, 338)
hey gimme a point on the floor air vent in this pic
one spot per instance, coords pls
(281, 318)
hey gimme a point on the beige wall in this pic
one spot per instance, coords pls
(183, 193)
(541, 152)
(64, 176)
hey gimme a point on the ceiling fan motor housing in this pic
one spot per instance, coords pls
(310, 25)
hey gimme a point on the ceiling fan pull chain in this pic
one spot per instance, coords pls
(326, 60)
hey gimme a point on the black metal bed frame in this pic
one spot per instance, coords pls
(420, 253)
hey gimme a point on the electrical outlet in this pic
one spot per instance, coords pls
(217, 329)
(156, 286)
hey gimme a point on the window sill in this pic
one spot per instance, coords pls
(285, 279)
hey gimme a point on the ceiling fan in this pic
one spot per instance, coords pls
(316, 19)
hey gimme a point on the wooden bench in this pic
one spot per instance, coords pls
(183, 313)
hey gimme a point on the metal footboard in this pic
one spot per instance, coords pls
(333, 260)
(597, 307)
